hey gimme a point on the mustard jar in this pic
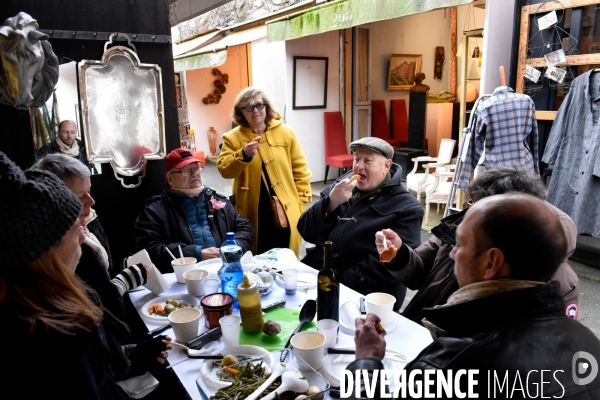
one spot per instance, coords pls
(250, 309)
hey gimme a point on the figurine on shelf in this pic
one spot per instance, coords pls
(418, 86)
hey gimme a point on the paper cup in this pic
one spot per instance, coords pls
(193, 281)
(230, 329)
(329, 328)
(179, 267)
(309, 347)
(382, 305)
(185, 323)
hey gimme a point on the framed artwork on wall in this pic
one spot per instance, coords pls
(310, 82)
(402, 70)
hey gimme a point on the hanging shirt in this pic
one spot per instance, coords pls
(507, 127)
(573, 149)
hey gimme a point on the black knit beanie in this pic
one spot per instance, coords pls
(36, 211)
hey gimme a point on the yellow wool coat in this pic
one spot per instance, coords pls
(286, 167)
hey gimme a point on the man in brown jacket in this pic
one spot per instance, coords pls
(429, 268)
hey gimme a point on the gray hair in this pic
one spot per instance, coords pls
(63, 166)
(502, 180)
(246, 98)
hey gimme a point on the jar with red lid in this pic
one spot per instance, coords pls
(215, 306)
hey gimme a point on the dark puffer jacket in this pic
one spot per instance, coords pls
(352, 231)
(163, 223)
(509, 334)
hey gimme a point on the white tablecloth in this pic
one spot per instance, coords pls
(408, 338)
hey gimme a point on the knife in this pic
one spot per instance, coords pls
(331, 350)
(158, 330)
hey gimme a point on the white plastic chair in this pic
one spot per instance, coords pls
(419, 182)
(439, 191)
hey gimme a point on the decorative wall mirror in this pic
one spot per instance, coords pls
(310, 82)
(122, 110)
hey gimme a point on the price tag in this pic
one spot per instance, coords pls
(532, 74)
(547, 21)
(556, 57)
(556, 74)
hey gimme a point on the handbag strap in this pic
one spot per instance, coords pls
(262, 173)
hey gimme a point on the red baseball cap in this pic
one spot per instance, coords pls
(179, 158)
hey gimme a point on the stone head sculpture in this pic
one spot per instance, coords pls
(28, 66)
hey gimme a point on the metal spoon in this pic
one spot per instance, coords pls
(307, 314)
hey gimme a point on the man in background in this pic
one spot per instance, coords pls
(65, 143)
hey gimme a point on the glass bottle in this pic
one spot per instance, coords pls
(328, 288)
(250, 309)
(231, 273)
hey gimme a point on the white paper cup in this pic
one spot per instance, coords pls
(193, 281)
(185, 323)
(381, 304)
(290, 280)
(210, 286)
(179, 267)
(329, 328)
(230, 328)
(309, 347)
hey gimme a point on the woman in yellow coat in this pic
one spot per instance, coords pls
(278, 154)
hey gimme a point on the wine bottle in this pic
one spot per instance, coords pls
(328, 288)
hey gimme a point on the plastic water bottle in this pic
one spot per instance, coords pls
(231, 273)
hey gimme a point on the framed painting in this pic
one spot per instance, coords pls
(402, 70)
(310, 82)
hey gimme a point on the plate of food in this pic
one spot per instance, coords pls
(157, 310)
(217, 374)
(245, 377)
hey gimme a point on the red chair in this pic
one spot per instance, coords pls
(336, 149)
(379, 124)
(399, 121)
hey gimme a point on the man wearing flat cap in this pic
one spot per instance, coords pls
(350, 212)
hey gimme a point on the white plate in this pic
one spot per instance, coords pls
(159, 319)
(307, 279)
(334, 364)
(209, 373)
(212, 265)
(350, 310)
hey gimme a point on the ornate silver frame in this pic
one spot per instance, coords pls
(122, 110)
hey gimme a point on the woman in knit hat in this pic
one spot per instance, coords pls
(96, 267)
(61, 348)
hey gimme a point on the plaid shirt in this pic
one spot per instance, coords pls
(506, 125)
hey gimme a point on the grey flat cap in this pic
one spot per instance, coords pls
(375, 144)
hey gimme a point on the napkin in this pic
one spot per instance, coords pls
(156, 282)
(139, 386)
(247, 262)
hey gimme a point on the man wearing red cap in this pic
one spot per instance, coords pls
(188, 214)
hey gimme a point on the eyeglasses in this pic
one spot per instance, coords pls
(258, 106)
(189, 171)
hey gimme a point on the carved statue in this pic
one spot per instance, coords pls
(418, 86)
(29, 67)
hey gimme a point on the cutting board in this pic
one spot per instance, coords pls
(289, 320)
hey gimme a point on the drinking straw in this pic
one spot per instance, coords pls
(171, 254)
(181, 254)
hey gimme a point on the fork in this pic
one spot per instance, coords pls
(190, 352)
